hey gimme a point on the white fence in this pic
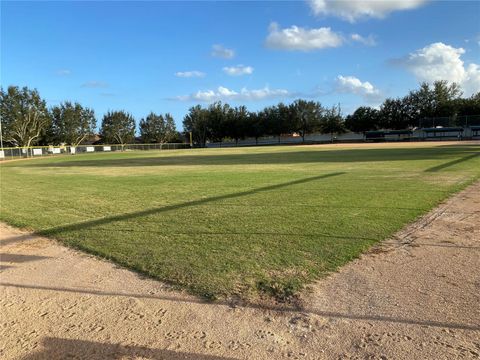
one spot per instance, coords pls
(419, 134)
(38, 151)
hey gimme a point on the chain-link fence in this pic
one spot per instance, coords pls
(8, 153)
(454, 127)
(465, 121)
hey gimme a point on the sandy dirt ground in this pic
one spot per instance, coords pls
(416, 296)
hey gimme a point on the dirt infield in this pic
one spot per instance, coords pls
(415, 296)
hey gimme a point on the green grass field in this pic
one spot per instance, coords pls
(234, 222)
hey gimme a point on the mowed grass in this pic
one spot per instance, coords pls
(234, 222)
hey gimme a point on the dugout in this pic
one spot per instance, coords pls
(388, 135)
(475, 131)
(374, 135)
(442, 132)
(398, 135)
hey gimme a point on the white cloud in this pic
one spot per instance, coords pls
(222, 52)
(439, 61)
(353, 85)
(351, 10)
(95, 84)
(190, 74)
(298, 38)
(238, 70)
(63, 72)
(225, 94)
(369, 40)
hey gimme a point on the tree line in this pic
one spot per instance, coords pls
(219, 121)
(27, 121)
(440, 99)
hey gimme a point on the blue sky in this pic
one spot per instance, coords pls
(169, 56)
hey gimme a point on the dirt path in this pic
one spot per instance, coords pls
(416, 297)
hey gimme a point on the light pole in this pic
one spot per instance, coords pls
(1, 134)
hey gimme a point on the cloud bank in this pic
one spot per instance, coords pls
(368, 41)
(222, 52)
(357, 9)
(224, 94)
(190, 74)
(94, 84)
(439, 61)
(304, 39)
(238, 70)
(353, 85)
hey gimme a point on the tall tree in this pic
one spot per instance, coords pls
(236, 123)
(72, 123)
(256, 125)
(463, 109)
(196, 122)
(393, 115)
(157, 128)
(363, 119)
(431, 100)
(270, 118)
(285, 124)
(420, 103)
(468, 106)
(332, 122)
(217, 116)
(24, 116)
(171, 132)
(118, 127)
(278, 120)
(306, 116)
(447, 96)
(445, 91)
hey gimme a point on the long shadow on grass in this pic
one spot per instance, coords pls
(279, 309)
(256, 233)
(132, 215)
(254, 158)
(452, 163)
(19, 239)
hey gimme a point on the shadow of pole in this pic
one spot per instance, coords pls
(19, 258)
(451, 163)
(278, 309)
(132, 215)
(58, 348)
(16, 239)
(451, 246)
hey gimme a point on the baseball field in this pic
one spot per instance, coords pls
(240, 222)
